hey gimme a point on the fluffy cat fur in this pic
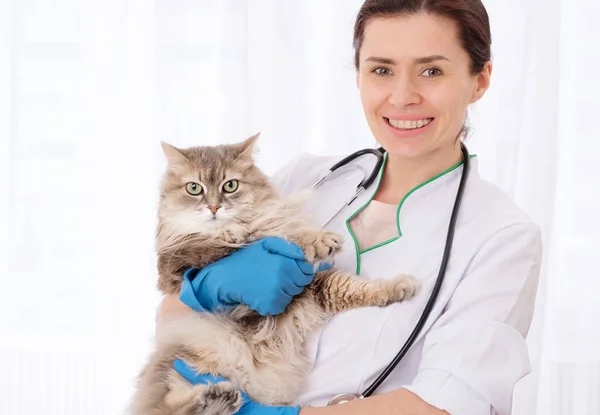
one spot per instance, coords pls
(264, 356)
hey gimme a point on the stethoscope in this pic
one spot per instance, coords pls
(379, 153)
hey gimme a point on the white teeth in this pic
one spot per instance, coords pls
(409, 125)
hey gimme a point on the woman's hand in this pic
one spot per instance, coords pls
(249, 407)
(264, 276)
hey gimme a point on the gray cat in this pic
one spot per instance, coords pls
(214, 200)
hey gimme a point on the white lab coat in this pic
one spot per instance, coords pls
(472, 350)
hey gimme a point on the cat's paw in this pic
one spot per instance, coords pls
(321, 246)
(221, 398)
(403, 287)
(400, 288)
(233, 236)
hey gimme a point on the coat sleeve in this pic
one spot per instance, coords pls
(476, 352)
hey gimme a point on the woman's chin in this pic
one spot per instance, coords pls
(404, 149)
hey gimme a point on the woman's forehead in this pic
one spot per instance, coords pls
(411, 37)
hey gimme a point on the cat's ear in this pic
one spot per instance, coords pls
(173, 154)
(249, 147)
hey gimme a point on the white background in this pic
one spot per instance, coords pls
(89, 88)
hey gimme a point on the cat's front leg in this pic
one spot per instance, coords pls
(318, 245)
(338, 291)
(235, 238)
(173, 262)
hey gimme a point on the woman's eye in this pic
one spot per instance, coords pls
(231, 186)
(382, 71)
(193, 188)
(432, 72)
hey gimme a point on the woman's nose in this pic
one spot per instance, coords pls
(404, 93)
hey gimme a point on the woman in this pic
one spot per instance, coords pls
(419, 65)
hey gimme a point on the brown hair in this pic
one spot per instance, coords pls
(470, 16)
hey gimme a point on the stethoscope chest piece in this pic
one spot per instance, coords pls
(342, 398)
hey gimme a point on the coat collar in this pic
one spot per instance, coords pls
(423, 196)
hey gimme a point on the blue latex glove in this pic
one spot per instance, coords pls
(249, 407)
(264, 276)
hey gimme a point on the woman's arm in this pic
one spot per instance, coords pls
(171, 306)
(399, 402)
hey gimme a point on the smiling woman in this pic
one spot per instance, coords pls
(415, 97)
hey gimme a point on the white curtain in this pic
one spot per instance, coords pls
(89, 88)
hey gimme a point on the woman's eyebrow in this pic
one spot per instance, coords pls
(420, 61)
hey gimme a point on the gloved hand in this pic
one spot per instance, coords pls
(249, 407)
(265, 276)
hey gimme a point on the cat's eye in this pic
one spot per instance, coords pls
(193, 188)
(231, 186)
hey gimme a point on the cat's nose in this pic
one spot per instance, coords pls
(214, 208)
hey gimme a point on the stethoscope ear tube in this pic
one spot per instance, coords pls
(438, 284)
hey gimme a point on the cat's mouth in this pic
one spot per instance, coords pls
(215, 218)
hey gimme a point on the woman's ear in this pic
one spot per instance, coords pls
(482, 82)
